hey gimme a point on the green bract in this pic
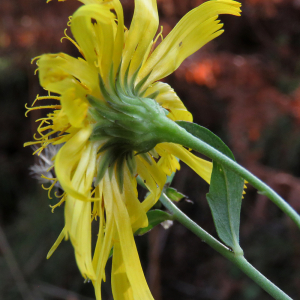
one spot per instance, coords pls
(127, 122)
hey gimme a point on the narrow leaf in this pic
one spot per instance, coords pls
(226, 188)
(174, 195)
(155, 217)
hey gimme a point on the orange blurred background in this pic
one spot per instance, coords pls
(243, 86)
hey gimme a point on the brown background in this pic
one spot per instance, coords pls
(244, 86)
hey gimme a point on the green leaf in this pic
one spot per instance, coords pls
(155, 217)
(174, 195)
(206, 136)
(226, 189)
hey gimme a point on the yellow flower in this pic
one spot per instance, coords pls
(102, 154)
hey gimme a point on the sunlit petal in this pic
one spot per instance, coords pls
(141, 32)
(106, 101)
(202, 167)
(194, 30)
(132, 263)
(168, 99)
(120, 285)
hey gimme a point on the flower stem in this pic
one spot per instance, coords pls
(238, 260)
(173, 133)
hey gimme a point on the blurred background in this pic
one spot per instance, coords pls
(244, 86)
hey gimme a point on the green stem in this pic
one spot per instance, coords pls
(238, 260)
(173, 133)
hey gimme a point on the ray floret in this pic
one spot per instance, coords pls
(111, 105)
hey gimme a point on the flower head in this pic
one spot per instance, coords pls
(109, 105)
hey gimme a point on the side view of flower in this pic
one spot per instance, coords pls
(110, 109)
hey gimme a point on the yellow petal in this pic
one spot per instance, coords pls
(194, 30)
(140, 35)
(73, 101)
(154, 178)
(78, 214)
(168, 99)
(147, 178)
(131, 260)
(74, 107)
(120, 285)
(202, 167)
(67, 160)
(119, 37)
(137, 214)
(104, 47)
(66, 137)
(99, 207)
(83, 173)
(98, 35)
(104, 244)
(55, 67)
(58, 73)
(57, 242)
(83, 29)
(49, 72)
(60, 120)
(167, 162)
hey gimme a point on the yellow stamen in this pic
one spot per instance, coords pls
(48, 178)
(37, 150)
(44, 98)
(159, 35)
(72, 41)
(59, 203)
(45, 143)
(41, 129)
(43, 136)
(50, 187)
(59, 196)
(70, 20)
(64, 130)
(45, 120)
(29, 109)
(48, 170)
(37, 57)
